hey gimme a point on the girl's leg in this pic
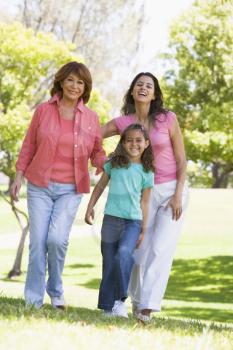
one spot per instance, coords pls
(110, 234)
(66, 203)
(124, 257)
(40, 207)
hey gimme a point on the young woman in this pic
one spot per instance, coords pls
(143, 103)
(63, 135)
(130, 172)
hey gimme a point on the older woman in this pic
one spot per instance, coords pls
(64, 134)
(144, 104)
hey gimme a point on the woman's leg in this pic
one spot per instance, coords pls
(159, 261)
(161, 250)
(40, 207)
(66, 203)
(140, 254)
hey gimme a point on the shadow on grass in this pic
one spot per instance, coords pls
(80, 266)
(200, 313)
(92, 284)
(202, 280)
(11, 308)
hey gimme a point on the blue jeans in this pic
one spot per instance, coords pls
(118, 241)
(52, 211)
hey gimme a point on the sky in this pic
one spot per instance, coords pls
(160, 14)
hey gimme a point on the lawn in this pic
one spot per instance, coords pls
(198, 306)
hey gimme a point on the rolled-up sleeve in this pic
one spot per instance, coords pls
(98, 156)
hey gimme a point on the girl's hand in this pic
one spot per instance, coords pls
(176, 204)
(140, 239)
(89, 217)
(15, 187)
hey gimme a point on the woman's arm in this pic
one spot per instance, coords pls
(98, 156)
(98, 190)
(145, 207)
(178, 147)
(109, 129)
(26, 154)
(15, 187)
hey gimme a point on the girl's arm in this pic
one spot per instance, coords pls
(98, 190)
(109, 129)
(145, 206)
(178, 147)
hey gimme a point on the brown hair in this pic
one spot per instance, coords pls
(78, 69)
(119, 157)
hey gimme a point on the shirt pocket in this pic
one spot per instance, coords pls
(88, 137)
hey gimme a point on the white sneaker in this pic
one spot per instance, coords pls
(119, 309)
(107, 313)
(58, 302)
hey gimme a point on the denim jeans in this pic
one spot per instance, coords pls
(52, 211)
(118, 241)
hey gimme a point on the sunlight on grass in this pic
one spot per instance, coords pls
(197, 310)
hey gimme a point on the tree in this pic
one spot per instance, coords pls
(105, 33)
(199, 87)
(27, 65)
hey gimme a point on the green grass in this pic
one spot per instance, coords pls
(198, 305)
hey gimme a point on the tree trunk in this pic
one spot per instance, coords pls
(220, 175)
(16, 269)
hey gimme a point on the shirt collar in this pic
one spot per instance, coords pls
(56, 98)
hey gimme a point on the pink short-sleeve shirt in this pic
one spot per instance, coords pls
(165, 163)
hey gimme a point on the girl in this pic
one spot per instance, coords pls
(130, 171)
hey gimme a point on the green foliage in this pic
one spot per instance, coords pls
(102, 107)
(199, 87)
(28, 62)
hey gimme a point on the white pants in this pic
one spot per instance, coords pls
(153, 259)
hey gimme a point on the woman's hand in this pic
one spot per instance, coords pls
(89, 216)
(140, 239)
(176, 204)
(15, 187)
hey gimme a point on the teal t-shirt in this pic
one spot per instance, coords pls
(125, 190)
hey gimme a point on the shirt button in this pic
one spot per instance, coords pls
(75, 145)
(75, 133)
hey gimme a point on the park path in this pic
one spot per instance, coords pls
(11, 240)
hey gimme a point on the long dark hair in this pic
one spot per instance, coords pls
(156, 106)
(119, 158)
(78, 69)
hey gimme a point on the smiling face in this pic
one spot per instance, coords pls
(73, 87)
(135, 144)
(143, 90)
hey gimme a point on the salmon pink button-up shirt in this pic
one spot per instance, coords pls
(38, 150)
